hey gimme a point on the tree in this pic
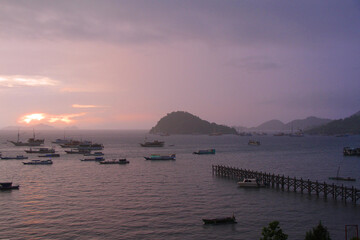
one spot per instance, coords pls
(318, 233)
(273, 232)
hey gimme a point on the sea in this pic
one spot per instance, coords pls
(71, 199)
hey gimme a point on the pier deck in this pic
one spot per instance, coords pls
(291, 184)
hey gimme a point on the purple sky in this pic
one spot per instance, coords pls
(125, 64)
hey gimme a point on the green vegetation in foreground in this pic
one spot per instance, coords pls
(350, 125)
(185, 123)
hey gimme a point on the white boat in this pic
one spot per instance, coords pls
(251, 182)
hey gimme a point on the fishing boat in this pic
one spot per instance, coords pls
(115, 161)
(207, 151)
(7, 186)
(155, 143)
(251, 182)
(74, 144)
(161, 157)
(50, 155)
(224, 220)
(39, 162)
(18, 157)
(78, 151)
(337, 178)
(348, 151)
(92, 146)
(40, 150)
(94, 154)
(31, 142)
(97, 159)
(254, 143)
(62, 141)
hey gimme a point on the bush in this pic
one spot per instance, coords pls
(318, 233)
(273, 232)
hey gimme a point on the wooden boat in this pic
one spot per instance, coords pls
(32, 142)
(78, 151)
(96, 159)
(18, 157)
(155, 143)
(225, 220)
(161, 157)
(40, 150)
(254, 143)
(94, 154)
(250, 182)
(207, 151)
(115, 161)
(7, 186)
(38, 162)
(50, 155)
(342, 178)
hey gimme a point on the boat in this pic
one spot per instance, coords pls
(224, 220)
(18, 157)
(92, 146)
(94, 154)
(40, 150)
(32, 142)
(50, 155)
(161, 157)
(279, 134)
(74, 144)
(78, 151)
(97, 159)
(348, 151)
(155, 143)
(7, 186)
(207, 151)
(62, 141)
(251, 182)
(254, 143)
(337, 178)
(115, 161)
(39, 162)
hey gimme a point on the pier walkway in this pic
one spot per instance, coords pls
(291, 184)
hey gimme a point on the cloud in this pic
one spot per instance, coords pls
(44, 117)
(26, 81)
(85, 106)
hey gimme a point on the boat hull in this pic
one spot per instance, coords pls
(226, 220)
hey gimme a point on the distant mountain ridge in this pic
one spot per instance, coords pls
(298, 124)
(181, 122)
(349, 125)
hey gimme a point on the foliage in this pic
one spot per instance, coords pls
(350, 125)
(318, 233)
(273, 232)
(186, 123)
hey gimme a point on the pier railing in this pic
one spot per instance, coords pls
(290, 184)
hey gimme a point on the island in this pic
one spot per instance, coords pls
(181, 122)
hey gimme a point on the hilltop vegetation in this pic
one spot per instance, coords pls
(349, 125)
(185, 123)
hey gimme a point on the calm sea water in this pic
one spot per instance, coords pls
(167, 199)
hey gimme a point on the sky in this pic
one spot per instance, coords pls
(112, 64)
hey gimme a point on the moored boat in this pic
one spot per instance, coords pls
(207, 151)
(224, 220)
(96, 159)
(161, 157)
(94, 154)
(155, 143)
(18, 157)
(8, 186)
(348, 151)
(251, 182)
(115, 161)
(40, 150)
(31, 142)
(50, 155)
(93, 146)
(39, 162)
(78, 151)
(254, 143)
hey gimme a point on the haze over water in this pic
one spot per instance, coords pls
(167, 199)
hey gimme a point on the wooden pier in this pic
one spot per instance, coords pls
(291, 184)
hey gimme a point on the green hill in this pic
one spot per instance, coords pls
(349, 125)
(185, 123)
